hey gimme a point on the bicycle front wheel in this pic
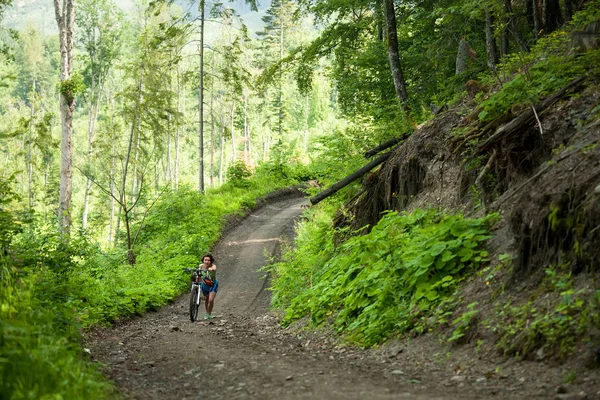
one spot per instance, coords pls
(193, 306)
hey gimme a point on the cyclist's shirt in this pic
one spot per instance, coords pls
(212, 275)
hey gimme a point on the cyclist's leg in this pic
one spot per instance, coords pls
(205, 291)
(210, 301)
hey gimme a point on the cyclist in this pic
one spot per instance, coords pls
(209, 292)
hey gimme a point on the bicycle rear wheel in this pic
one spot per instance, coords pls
(193, 306)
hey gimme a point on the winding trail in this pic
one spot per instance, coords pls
(244, 353)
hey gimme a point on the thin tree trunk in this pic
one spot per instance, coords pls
(490, 41)
(246, 135)
(212, 124)
(122, 194)
(92, 117)
(29, 155)
(177, 131)
(201, 104)
(233, 155)
(393, 55)
(552, 15)
(65, 19)
(222, 150)
(169, 171)
(506, 31)
(280, 116)
(513, 26)
(538, 23)
(112, 202)
(568, 7)
(306, 113)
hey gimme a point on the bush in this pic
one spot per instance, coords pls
(386, 282)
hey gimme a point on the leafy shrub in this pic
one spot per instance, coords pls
(238, 173)
(40, 355)
(386, 282)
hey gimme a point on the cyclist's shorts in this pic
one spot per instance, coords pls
(207, 289)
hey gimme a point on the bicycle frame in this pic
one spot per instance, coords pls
(198, 276)
(198, 284)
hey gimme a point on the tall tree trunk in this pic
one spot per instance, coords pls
(65, 18)
(112, 201)
(212, 124)
(552, 15)
(177, 131)
(461, 56)
(233, 155)
(306, 113)
(280, 116)
(29, 154)
(514, 28)
(393, 55)
(222, 155)
(123, 194)
(538, 20)
(168, 171)
(201, 104)
(92, 118)
(490, 41)
(506, 31)
(246, 132)
(568, 7)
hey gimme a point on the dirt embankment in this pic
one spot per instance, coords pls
(544, 180)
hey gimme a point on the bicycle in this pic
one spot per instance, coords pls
(199, 276)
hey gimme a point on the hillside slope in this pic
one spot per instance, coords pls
(538, 300)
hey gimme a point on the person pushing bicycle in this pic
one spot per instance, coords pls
(209, 292)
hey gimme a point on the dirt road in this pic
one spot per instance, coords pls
(245, 354)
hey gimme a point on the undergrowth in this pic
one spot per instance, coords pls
(383, 283)
(547, 67)
(551, 327)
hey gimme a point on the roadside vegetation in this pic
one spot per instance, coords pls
(50, 291)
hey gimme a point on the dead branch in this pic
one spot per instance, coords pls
(349, 179)
(386, 145)
(485, 170)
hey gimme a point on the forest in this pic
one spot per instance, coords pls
(130, 138)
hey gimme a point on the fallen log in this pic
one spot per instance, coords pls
(349, 179)
(529, 115)
(386, 145)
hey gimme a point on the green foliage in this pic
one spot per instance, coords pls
(547, 67)
(545, 77)
(554, 328)
(72, 87)
(9, 224)
(238, 173)
(464, 324)
(40, 355)
(390, 280)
